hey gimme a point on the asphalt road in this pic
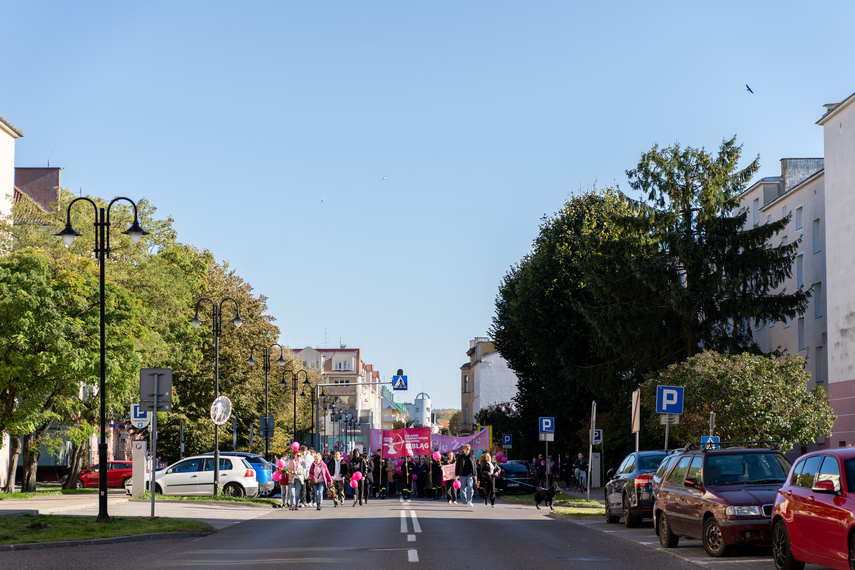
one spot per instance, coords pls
(383, 534)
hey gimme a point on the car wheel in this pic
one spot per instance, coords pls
(712, 539)
(666, 538)
(782, 555)
(157, 489)
(233, 490)
(79, 484)
(610, 518)
(630, 520)
(852, 552)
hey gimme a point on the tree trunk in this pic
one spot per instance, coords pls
(31, 462)
(14, 452)
(76, 457)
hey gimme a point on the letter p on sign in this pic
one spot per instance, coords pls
(669, 400)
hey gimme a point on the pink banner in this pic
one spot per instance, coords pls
(442, 443)
(406, 442)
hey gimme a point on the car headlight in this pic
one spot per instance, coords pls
(743, 511)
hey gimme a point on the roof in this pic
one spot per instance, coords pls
(832, 109)
(10, 128)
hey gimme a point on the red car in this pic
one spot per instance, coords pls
(117, 473)
(814, 515)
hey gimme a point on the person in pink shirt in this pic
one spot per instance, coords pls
(319, 477)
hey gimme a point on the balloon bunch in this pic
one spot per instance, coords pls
(354, 480)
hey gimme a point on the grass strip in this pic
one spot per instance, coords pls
(583, 511)
(219, 498)
(47, 492)
(21, 529)
(560, 500)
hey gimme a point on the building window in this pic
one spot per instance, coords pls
(817, 247)
(786, 321)
(817, 300)
(800, 217)
(783, 211)
(768, 218)
(341, 380)
(820, 365)
(756, 209)
(800, 270)
(801, 331)
(465, 383)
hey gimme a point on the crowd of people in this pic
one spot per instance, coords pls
(308, 477)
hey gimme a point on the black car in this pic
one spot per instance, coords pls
(629, 492)
(514, 479)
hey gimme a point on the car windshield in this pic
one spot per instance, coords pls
(650, 462)
(514, 468)
(742, 468)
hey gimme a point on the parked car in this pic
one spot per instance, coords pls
(721, 496)
(813, 519)
(117, 473)
(263, 470)
(656, 480)
(195, 476)
(515, 478)
(629, 490)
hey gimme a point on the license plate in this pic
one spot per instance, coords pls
(513, 484)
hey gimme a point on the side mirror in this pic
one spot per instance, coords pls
(691, 482)
(168, 471)
(825, 486)
(610, 474)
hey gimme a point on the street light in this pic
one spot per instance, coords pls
(266, 362)
(216, 326)
(303, 397)
(294, 378)
(102, 251)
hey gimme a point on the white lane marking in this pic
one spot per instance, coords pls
(413, 555)
(404, 521)
(416, 526)
(411, 538)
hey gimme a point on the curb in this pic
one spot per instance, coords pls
(98, 541)
(216, 503)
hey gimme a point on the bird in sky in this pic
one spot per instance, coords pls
(749, 89)
(384, 178)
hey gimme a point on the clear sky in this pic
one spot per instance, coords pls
(375, 167)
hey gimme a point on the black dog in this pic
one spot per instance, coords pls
(546, 496)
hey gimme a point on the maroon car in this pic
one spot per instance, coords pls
(117, 473)
(814, 516)
(721, 496)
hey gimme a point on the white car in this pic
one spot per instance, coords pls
(195, 476)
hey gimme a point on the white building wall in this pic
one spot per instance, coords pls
(7, 166)
(498, 383)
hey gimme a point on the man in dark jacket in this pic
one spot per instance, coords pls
(357, 463)
(338, 471)
(467, 473)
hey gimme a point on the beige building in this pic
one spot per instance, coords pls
(486, 380)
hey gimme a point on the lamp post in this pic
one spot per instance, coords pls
(303, 397)
(295, 376)
(216, 326)
(102, 251)
(266, 366)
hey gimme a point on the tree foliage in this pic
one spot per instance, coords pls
(754, 397)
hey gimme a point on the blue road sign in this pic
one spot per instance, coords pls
(597, 438)
(507, 439)
(399, 382)
(669, 399)
(547, 425)
(710, 441)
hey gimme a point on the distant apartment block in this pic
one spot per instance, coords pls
(485, 380)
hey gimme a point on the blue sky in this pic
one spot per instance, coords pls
(265, 128)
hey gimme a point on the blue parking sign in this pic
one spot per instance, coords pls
(669, 399)
(507, 440)
(547, 425)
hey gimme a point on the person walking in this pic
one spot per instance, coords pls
(357, 463)
(566, 469)
(448, 482)
(319, 476)
(488, 471)
(306, 460)
(422, 475)
(296, 478)
(284, 481)
(391, 476)
(540, 471)
(550, 471)
(466, 472)
(580, 469)
(377, 472)
(339, 472)
(436, 477)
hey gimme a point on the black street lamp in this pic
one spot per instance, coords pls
(216, 326)
(266, 364)
(295, 376)
(102, 251)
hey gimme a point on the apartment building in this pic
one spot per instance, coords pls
(8, 135)
(485, 380)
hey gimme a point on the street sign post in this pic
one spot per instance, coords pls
(156, 385)
(507, 440)
(669, 400)
(636, 416)
(546, 426)
(399, 382)
(710, 442)
(597, 437)
(139, 418)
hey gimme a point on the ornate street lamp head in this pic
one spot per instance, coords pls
(135, 232)
(68, 234)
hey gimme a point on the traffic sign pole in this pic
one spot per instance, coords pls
(591, 444)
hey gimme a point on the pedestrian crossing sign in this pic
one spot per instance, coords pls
(399, 382)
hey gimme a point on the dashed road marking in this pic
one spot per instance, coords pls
(416, 526)
(413, 555)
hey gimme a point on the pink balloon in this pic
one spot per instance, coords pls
(353, 484)
(456, 484)
(543, 462)
(436, 456)
(277, 475)
(415, 477)
(499, 455)
(295, 445)
(344, 458)
(280, 464)
(503, 460)
(398, 470)
(357, 475)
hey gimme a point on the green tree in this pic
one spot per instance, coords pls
(455, 423)
(754, 397)
(686, 259)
